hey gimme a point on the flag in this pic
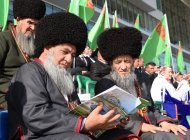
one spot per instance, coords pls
(82, 8)
(180, 62)
(167, 57)
(157, 42)
(157, 60)
(101, 24)
(4, 11)
(14, 21)
(115, 20)
(137, 25)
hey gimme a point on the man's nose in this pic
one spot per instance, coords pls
(69, 58)
(32, 27)
(123, 66)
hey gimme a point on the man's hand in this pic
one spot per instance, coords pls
(96, 121)
(150, 128)
(173, 127)
(84, 72)
(123, 122)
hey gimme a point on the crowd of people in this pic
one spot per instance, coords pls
(39, 58)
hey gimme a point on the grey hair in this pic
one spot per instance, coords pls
(60, 76)
(25, 43)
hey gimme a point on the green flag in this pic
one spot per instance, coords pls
(14, 22)
(115, 20)
(4, 11)
(101, 24)
(157, 42)
(137, 25)
(82, 8)
(157, 60)
(180, 62)
(167, 57)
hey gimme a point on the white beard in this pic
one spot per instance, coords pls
(25, 43)
(60, 76)
(126, 83)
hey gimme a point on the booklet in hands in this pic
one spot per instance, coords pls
(113, 97)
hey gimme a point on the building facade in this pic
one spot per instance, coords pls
(150, 11)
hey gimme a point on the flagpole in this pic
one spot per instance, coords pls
(169, 43)
(84, 15)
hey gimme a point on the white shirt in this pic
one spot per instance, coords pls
(159, 87)
(183, 89)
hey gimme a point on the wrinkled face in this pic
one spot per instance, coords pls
(62, 54)
(26, 26)
(122, 65)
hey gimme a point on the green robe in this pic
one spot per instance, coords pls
(10, 59)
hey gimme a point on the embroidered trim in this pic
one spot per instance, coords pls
(165, 119)
(26, 58)
(137, 88)
(38, 60)
(139, 129)
(21, 133)
(128, 136)
(79, 123)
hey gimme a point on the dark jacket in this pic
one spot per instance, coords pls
(35, 104)
(10, 59)
(136, 120)
(98, 70)
(81, 63)
(145, 81)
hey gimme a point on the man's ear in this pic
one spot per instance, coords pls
(18, 19)
(48, 50)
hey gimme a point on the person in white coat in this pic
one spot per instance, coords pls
(162, 86)
(183, 90)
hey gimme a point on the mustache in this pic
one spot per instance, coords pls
(29, 29)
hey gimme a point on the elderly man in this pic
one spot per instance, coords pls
(119, 46)
(17, 44)
(41, 91)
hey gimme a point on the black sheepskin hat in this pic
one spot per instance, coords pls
(115, 42)
(34, 9)
(59, 28)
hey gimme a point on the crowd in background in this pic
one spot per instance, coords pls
(40, 58)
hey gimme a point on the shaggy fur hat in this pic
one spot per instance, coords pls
(34, 9)
(59, 28)
(115, 42)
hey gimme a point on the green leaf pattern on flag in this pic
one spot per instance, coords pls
(157, 42)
